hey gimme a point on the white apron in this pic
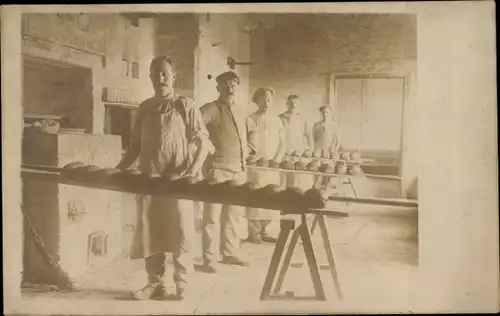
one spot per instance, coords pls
(264, 132)
(164, 135)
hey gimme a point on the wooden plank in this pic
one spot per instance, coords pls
(52, 174)
(127, 106)
(376, 201)
(43, 116)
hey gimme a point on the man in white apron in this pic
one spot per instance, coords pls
(225, 122)
(298, 140)
(266, 139)
(169, 138)
(326, 139)
(325, 133)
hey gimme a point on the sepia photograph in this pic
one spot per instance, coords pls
(189, 159)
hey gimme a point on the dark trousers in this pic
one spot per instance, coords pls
(155, 268)
(257, 228)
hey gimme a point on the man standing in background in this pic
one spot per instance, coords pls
(225, 122)
(298, 135)
(266, 139)
(325, 133)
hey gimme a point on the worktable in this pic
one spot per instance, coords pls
(293, 226)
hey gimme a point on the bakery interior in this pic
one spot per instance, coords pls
(89, 73)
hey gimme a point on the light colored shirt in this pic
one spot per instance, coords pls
(325, 135)
(297, 132)
(165, 131)
(265, 132)
(226, 126)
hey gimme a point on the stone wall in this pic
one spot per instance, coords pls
(97, 42)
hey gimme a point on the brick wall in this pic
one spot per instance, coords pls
(298, 53)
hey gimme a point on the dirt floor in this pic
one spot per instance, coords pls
(376, 256)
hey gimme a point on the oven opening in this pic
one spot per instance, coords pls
(58, 91)
(120, 121)
(97, 246)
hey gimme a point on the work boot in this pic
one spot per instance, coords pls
(235, 261)
(181, 291)
(206, 268)
(255, 240)
(151, 291)
(267, 238)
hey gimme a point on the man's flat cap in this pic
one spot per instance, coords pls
(226, 76)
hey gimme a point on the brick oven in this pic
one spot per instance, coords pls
(80, 227)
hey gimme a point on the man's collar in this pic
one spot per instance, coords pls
(224, 103)
(168, 97)
(290, 114)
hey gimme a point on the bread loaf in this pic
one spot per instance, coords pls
(102, 175)
(315, 198)
(345, 156)
(287, 164)
(323, 167)
(274, 164)
(263, 162)
(251, 161)
(292, 197)
(330, 168)
(341, 168)
(313, 166)
(269, 196)
(300, 165)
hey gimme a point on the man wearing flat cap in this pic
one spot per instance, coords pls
(266, 140)
(225, 122)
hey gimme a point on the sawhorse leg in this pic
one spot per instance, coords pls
(329, 254)
(285, 228)
(301, 231)
(319, 219)
(305, 235)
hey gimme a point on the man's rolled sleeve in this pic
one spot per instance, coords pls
(198, 130)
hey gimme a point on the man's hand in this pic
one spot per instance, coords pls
(189, 172)
(121, 167)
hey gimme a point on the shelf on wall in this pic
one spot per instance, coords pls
(122, 105)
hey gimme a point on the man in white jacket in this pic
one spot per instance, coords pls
(266, 140)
